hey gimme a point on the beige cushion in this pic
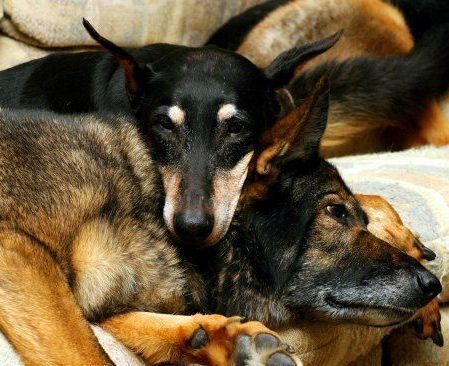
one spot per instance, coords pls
(57, 23)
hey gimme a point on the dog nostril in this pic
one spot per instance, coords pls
(429, 284)
(193, 225)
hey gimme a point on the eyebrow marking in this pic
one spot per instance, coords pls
(226, 111)
(176, 114)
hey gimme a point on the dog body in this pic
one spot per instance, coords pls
(82, 239)
(385, 90)
(90, 194)
(201, 110)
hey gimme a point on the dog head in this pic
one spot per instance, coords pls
(202, 110)
(318, 256)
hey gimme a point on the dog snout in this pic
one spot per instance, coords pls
(428, 284)
(194, 221)
(193, 224)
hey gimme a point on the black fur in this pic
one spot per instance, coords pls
(146, 83)
(72, 82)
(422, 15)
(279, 260)
(392, 88)
(287, 254)
(386, 94)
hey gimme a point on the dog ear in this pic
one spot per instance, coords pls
(298, 134)
(282, 69)
(135, 73)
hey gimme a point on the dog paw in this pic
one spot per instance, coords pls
(386, 224)
(427, 323)
(422, 252)
(221, 341)
(263, 349)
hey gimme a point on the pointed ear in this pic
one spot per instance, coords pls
(298, 134)
(282, 69)
(135, 74)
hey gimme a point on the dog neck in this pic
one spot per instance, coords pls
(241, 275)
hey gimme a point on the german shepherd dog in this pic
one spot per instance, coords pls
(82, 239)
(201, 109)
(385, 89)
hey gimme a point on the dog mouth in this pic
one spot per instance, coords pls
(367, 314)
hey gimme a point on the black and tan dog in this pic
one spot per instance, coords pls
(200, 109)
(385, 89)
(82, 239)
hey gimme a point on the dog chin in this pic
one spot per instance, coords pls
(366, 314)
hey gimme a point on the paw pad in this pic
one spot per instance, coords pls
(264, 349)
(280, 359)
(199, 339)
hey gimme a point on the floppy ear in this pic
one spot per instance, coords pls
(298, 134)
(135, 74)
(282, 69)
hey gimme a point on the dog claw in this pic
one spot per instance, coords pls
(218, 340)
(427, 323)
(438, 339)
(428, 254)
(289, 349)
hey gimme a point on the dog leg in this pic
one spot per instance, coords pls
(386, 224)
(428, 323)
(202, 339)
(38, 313)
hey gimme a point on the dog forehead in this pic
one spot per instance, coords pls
(218, 60)
(211, 63)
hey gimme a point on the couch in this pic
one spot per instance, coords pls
(415, 182)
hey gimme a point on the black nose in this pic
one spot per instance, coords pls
(429, 284)
(193, 225)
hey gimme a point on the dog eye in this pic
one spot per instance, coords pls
(165, 122)
(337, 211)
(235, 127)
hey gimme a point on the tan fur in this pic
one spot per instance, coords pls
(434, 128)
(371, 28)
(172, 182)
(81, 240)
(159, 337)
(227, 186)
(386, 224)
(177, 115)
(226, 112)
(110, 261)
(39, 314)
